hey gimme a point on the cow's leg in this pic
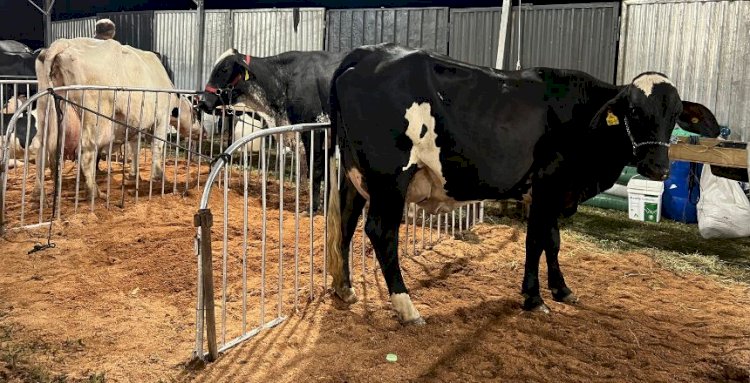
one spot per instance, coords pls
(351, 209)
(555, 280)
(537, 236)
(88, 167)
(318, 169)
(157, 151)
(130, 148)
(383, 221)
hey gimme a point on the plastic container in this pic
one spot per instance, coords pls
(682, 191)
(644, 199)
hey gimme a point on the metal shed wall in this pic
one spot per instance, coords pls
(218, 38)
(702, 46)
(174, 37)
(414, 27)
(474, 35)
(571, 36)
(133, 28)
(267, 32)
(73, 28)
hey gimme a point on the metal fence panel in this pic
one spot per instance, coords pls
(69, 29)
(267, 32)
(414, 27)
(133, 28)
(701, 45)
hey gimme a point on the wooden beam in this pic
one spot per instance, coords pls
(708, 151)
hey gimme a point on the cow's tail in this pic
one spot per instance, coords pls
(334, 256)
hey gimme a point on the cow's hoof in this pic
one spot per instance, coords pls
(535, 304)
(346, 294)
(564, 295)
(414, 322)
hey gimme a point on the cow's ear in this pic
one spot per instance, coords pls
(698, 119)
(610, 114)
(241, 61)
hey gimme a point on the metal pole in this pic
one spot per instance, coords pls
(520, 13)
(204, 220)
(46, 11)
(502, 41)
(48, 22)
(199, 43)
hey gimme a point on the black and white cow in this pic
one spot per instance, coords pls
(289, 88)
(414, 126)
(23, 142)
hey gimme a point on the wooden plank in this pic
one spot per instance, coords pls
(707, 151)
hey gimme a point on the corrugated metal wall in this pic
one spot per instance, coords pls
(261, 32)
(474, 35)
(218, 38)
(267, 32)
(174, 38)
(133, 28)
(572, 36)
(704, 48)
(414, 27)
(73, 28)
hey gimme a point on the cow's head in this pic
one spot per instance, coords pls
(647, 110)
(187, 118)
(235, 77)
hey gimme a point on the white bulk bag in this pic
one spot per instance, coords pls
(723, 209)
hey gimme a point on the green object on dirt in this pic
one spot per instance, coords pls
(391, 358)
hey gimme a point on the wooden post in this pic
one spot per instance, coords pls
(710, 151)
(204, 219)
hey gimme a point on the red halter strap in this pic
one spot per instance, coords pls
(212, 89)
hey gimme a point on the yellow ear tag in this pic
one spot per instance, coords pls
(612, 120)
(247, 75)
(695, 120)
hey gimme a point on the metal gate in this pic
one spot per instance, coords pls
(157, 138)
(270, 249)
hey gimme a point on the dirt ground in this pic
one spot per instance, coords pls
(115, 301)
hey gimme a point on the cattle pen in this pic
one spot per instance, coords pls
(249, 168)
(202, 259)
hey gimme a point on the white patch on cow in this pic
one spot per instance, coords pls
(224, 55)
(427, 186)
(13, 104)
(424, 151)
(323, 118)
(404, 307)
(646, 82)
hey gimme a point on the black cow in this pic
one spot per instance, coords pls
(289, 88)
(414, 126)
(16, 60)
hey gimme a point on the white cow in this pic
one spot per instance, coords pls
(87, 61)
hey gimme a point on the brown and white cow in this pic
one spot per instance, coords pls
(87, 61)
